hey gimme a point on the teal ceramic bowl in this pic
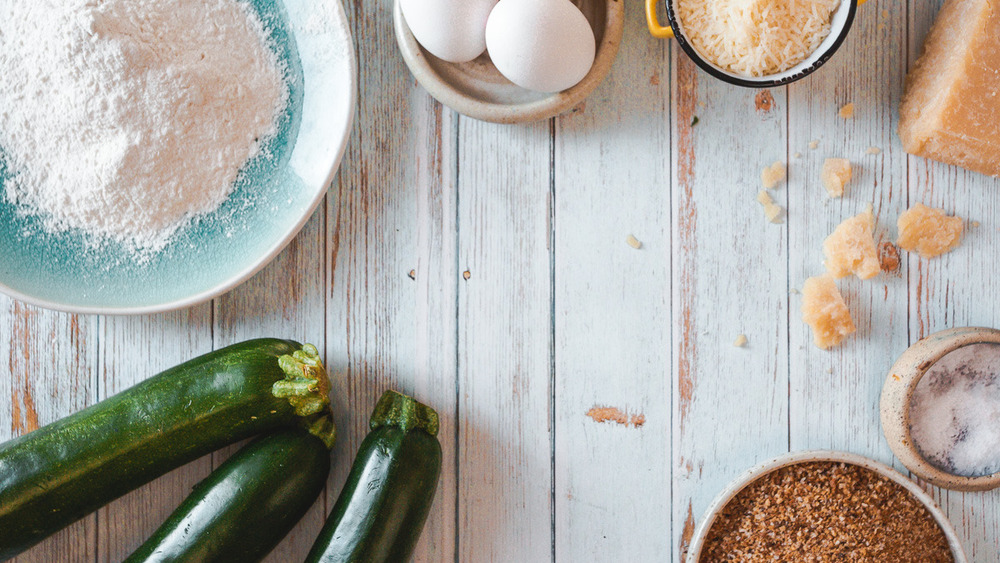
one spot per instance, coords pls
(271, 201)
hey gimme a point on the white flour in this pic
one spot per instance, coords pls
(125, 119)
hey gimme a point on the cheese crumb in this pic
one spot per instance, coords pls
(633, 242)
(836, 174)
(797, 155)
(772, 175)
(741, 341)
(874, 150)
(928, 231)
(847, 111)
(850, 249)
(826, 313)
(813, 144)
(771, 210)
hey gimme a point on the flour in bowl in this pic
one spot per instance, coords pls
(126, 119)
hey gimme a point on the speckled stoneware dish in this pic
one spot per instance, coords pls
(840, 26)
(751, 475)
(897, 393)
(273, 198)
(478, 90)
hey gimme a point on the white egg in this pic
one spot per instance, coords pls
(452, 30)
(542, 45)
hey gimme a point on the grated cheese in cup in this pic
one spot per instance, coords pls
(756, 37)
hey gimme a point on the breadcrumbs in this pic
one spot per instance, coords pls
(847, 111)
(825, 512)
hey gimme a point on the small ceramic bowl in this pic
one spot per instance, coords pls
(897, 393)
(478, 90)
(275, 195)
(751, 475)
(840, 25)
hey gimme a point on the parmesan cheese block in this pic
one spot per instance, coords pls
(836, 174)
(951, 105)
(850, 249)
(928, 231)
(826, 313)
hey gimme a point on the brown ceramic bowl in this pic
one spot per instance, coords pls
(478, 90)
(897, 393)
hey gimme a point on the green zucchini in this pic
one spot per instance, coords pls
(57, 474)
(242, 510)
(381, 510)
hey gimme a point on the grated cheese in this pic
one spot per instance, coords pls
(756, 37)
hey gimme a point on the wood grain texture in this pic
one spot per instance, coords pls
(51, 367)
(957, 289)
(485, 270)
(612, 311)
(393, 276)
(834, 394)
(504, 343)
(729, 277)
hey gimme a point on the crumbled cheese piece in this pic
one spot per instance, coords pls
(797, 155)
(950, 107)
(826, 313)
(813, 144)
(836, 174)
(847, 111)
(772, 175)
(633, 242)
(850, 249)
(741, 341)
(874, 150)
(928, 231)
(771, 210)
(975, 223)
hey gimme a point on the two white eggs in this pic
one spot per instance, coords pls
(541, 45)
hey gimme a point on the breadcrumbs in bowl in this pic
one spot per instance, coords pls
(824, 506)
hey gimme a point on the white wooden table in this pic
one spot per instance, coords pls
(484, 269)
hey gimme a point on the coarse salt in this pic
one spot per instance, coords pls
(955, 411)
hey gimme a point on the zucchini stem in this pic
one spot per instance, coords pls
(307, 388)
(404, 412)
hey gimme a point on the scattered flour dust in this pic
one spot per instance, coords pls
(126, 119)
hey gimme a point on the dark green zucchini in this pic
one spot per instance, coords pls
(380, 512)
(55, 475)
(242, 510)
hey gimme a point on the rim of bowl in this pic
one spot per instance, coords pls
(762, 82)
(257, 265)
(897, 392)
(416, 59)
(753, 474)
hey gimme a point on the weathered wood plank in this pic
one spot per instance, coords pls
(504, 343)
(834, 394)
(957, 289)
(132, 349)
(285, 300)
(612, 311)
(51, 366)
(729, 277)
(393, 277)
